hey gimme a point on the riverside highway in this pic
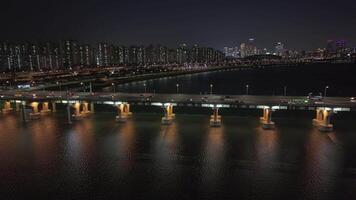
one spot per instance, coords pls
(243, 101)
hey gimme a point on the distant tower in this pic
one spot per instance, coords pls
(279, 49)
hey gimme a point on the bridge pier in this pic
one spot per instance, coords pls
(85, 109)
(77, 115)
(92, 107)
(18, 106)
(322, 120)
(215, 119)
(266, 119)
(7, 107)
(23, 111)
(168, 115)
(45, 108)
(54, 107)
(123, 112)
(35, 114)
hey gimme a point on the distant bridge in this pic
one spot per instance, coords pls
(78, 104)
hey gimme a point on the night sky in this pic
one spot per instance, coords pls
(300, 24)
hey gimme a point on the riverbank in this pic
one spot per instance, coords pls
(104, 82)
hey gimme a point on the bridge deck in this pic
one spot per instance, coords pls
(181, 99)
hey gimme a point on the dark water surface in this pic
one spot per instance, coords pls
(140, 159)
(299, 80)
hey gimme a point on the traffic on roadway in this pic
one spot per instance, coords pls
(181, 98)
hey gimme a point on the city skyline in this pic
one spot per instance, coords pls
(66, 54)
(299, 25)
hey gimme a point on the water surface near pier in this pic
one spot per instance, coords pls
(141, 159)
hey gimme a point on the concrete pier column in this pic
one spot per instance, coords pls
(35, 114)
(168, 115)
(54, 109)
(215, 119)
(126, 109)
(322, 120)
(7, 107)
(45, 108)
(85, 109)
(123, 112)
(69, 117)
(266, 119)
(319, 117)
(77, 115)
(18, 106)
(92, 110)
(170, 110)
(23, 111)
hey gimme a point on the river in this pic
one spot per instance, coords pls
(141, 159)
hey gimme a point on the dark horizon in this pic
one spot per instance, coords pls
(299, 25)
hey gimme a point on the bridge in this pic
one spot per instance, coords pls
(32, 105)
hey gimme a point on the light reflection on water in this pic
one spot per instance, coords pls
(126, 146)
(266, 148)
(213, 155)
(79, 153)
(138, 152)
(321, 167)
(45, 144)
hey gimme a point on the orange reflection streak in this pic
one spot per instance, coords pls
(214, 148)
(321, 164)
(80, 145)
(8, 140)
(126, 144)
(168, 138)
(213, 155)
(85, 131)
(44, 143)
(266, 148)
(165, 151)
(8, 122)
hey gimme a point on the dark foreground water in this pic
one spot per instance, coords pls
(98, 158)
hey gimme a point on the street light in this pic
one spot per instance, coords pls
(211, 89)
(145, 87)
(325, 90)
(177, 85)
(285, 90)
(247, 89)
(91, 88)
(60, 88)
(82, 84)
(9, 83)
(113, 87)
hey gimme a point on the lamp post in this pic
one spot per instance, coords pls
(113, 87)
(325, 90)
(82, 84)
(144, 85)
(60, 88)
(177, 85)
(285, 90)
(211, 89)
(9, 83)
(247, 86)
(90, 88)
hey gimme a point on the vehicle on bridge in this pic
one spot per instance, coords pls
(313, 97)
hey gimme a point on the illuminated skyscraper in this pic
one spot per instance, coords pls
(279, 49)
(248, 49)
(86, 55)
(102, 54)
